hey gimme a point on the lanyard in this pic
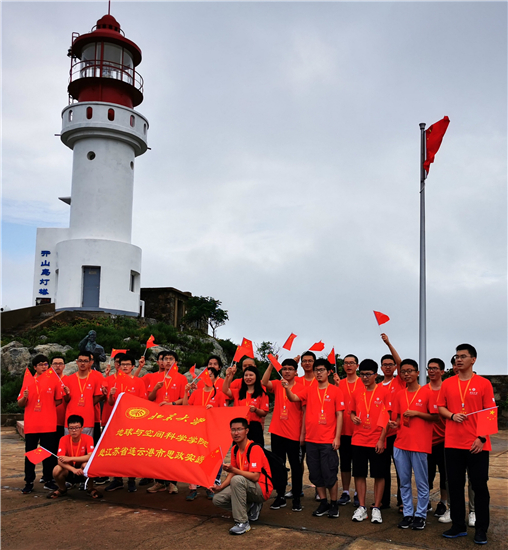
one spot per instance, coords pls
(463, 395)
(407, 398)
(38, 391)
(370, 402)
(347, 386)
(322, 401)
(77, 448)
(82, 389)
(239, 457)
(310, 383)
(203, 397)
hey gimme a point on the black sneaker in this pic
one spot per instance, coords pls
(297, 507)
(440, 509)
(333, 512)
(429, 507)
(418, 523)
(480, 537)
(322, 509)
(50, 486)
(145, 481)
(278, 503)
(28, 488)
(101, 480)
(114, 485)
(131, 486)
(344, 499)
(356, 501)
(406, 522)
(455, 532)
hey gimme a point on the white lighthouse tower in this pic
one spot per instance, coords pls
(92, 265)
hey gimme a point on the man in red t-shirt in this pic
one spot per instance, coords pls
(247, 484)
(40, 398)
(58, 365)
(414, 423)
(323, 426)
(74, 451)
(462, 396)
(286, 431)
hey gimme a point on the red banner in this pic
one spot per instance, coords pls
(143, 439)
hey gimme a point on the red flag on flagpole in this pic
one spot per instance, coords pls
(331, 357)
(273, 360)
(383, 418)
(433, 138)
(52, 375)
(212, 462)
(486, 422)
(192, 370)
(206, 378)
(37, 455)
(247, 346)
(318, 346)
(289, 342)
(150, 342)
(116, 351)
(27, 379)
(239, 353)
(172, 371)
(381, 318)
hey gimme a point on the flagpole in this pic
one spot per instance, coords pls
(423, 295)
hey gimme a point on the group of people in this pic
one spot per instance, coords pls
(317, 418)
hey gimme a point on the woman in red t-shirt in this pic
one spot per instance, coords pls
(251, 393)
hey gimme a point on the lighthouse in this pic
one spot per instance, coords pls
(92, 265)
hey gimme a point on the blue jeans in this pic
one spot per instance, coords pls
(406, 462)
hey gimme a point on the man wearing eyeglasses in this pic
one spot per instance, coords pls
(461, 397)
(40, 397)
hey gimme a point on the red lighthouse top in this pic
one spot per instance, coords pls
(102, 66)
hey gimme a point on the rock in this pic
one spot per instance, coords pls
(43, 338)
(70, 368)
(48, 349)
(15, 358)
(127, 339)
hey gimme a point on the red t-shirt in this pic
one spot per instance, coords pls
(389, 391)
(321, 414)
(478, 395)
(417, 436)
(439, 426)
(82, 448)
(172, 389)
(368, 405)
(305, 383)
(287, 416)
(202, 398)
(260, 402)
(257, 462)
(127, 384)
(102, 382)
(40, 410)
(81, 397)
(347, 390)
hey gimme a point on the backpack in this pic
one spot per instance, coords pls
(279, 477)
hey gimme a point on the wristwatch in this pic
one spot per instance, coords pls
(482, 439)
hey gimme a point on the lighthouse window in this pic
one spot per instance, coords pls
(90, 155)
(132, 165)
(89, 113)
(111, 114)
(70, 115)
(133, 121)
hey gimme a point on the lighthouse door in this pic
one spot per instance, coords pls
(91, 286)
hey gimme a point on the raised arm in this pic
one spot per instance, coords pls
(393, 351)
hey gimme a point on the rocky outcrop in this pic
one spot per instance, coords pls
(15, 358)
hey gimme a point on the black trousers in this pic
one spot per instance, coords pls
(47, 440)
(385, 501)
(434, 461)
(283, 447)
(458, 461)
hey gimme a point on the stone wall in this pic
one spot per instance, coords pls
(500, 384)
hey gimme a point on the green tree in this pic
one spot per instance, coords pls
(205, 309)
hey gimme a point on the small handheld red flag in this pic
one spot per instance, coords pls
(381, 317)
(383, 418)
(116, 351)
(27, 379)
(433, 138)
(37, 455)
(172, 371)
(318, 346)
(331, 357)
(206, 378)
(289, 342)
(273, 360)
(247, 346)
(239, 353)
(192, 370)
(486, 422)
(150, 342)
(212, 462)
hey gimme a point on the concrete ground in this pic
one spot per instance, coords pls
(129, 521)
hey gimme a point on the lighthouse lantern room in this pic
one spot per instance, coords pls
(92, 265)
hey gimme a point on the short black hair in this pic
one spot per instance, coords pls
(217, 358)
(388, 356)
(239, 420)
(126, 357)
(438, 361)
(368, 364)
(290, 362)
(57, 356)
(322, 363)
(169, 354)
(410, 362)
(353, 356)
(467, 347)
(85, 353)
(312, 354)
(75, 419)
(160, 355)
(39, 358)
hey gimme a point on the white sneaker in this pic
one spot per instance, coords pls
(472, 519)
(360, 514)
(240, 528)
(375, 516)
(445, 518)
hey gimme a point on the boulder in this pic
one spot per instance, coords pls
(15, 358)
(48, 349)
(70, 368)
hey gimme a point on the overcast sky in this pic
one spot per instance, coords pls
(283, 174)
